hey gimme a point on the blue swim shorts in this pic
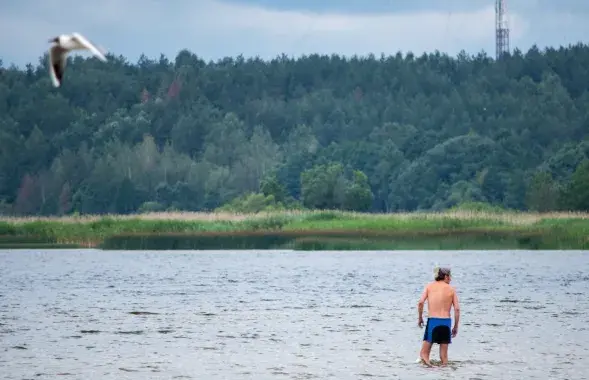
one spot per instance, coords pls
(438, 330)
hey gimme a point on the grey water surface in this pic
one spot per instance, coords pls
(90, 314)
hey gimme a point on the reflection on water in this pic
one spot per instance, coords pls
(286, 315)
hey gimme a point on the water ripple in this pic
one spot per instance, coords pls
(285, 315)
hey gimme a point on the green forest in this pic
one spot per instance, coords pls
(372, 134)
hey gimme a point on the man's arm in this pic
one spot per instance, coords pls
(420, 304)
(456, 313)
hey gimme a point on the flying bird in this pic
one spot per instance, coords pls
(58, 52)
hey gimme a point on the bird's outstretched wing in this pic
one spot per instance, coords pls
(57, 61)
(88, 45)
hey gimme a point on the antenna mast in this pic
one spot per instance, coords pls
(501, 29)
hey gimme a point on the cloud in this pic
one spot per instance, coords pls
(213, 29)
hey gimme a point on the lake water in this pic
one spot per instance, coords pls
(286, 315)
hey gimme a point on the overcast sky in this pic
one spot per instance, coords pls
(216, 28)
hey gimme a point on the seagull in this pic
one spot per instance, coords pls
(63, 44)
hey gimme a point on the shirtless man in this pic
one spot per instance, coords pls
(440, 297)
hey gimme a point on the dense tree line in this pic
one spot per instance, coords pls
(389, 133)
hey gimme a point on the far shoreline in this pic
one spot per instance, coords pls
(301, 230)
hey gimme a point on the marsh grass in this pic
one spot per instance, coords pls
(479, 238)
(450, 242)
(166, 216)
(311, 215)
(555, 229)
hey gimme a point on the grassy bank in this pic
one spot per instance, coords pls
(303, 230)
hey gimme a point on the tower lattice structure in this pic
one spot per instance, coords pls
(501, 29)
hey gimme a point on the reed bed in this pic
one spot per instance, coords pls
(181, 216)
(521, 218)
(564, 229)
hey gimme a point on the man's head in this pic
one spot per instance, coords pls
(443, 274)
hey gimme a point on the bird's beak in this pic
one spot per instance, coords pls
(54, 39)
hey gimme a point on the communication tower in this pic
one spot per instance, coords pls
(501, 29)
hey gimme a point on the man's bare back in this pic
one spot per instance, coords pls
(440, 297)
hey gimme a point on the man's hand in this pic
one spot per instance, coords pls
(454, 331)
(420, 304)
